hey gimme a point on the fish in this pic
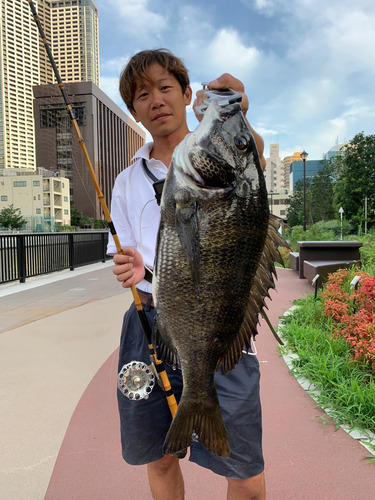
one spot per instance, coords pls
(214, 265)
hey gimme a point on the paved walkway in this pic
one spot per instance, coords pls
(59, 425)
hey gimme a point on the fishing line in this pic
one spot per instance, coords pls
(253, 351)
(83, 183)
(140, 235)
(75, 168)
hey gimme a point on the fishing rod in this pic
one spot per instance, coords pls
(139, 374)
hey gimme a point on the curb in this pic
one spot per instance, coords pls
(364, 436)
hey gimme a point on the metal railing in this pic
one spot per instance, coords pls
(29, 254)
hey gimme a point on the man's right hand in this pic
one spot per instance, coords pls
(129, 267)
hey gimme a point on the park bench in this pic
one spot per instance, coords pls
(294, 261)
(324, 257)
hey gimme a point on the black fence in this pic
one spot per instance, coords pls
(28, 254)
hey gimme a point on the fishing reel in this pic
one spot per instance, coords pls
(225, 98)
(136, 380)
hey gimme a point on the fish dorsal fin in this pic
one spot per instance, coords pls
(263, 281)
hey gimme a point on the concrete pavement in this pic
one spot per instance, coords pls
(59, 425)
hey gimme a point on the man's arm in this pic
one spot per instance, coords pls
(228, 81)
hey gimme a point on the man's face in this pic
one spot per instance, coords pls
(160, 104)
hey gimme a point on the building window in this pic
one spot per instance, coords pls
(66, 212)
(66, 198)
(36, 183)
(4, 198)
(19, 184)
(38, 210)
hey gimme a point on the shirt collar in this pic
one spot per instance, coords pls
(144, 151)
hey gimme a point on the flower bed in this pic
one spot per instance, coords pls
(333, 337)
(353, 312)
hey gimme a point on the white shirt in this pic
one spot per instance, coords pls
(134, 210)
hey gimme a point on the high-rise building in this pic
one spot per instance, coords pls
(20, 69)
(111, 138)
(287, 161)
(71, 29)
(44, 14)
(272, 172)
(75, 40)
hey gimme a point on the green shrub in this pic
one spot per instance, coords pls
(347, 388)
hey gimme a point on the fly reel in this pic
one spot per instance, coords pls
(136, 380)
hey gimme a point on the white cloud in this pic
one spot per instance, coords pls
(114, 65)
(140, 22)
(308, 67)
(109, 85)
(219, 54)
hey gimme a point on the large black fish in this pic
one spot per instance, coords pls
(214, 264)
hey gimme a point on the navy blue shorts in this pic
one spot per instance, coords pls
(145, 423)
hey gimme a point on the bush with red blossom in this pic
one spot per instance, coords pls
(353, 311)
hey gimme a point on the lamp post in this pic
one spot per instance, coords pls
(341, 211)
(304, 156)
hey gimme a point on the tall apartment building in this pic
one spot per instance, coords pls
(44, 13)
(272, 172)
(20, 69)
(287, 161)
(111, 138)
(75, 40)
(71, 28)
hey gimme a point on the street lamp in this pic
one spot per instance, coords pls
(271, 193)
(304, 156)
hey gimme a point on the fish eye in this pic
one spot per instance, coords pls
(240, 142)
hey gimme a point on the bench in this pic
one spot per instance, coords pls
(323, 268)
(294, 261)
(327, 252)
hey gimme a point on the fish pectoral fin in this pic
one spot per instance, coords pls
(188, 233)
(164, 351)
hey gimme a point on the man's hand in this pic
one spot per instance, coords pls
(226, 81)
(129, 268)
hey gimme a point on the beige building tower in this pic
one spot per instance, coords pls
(20, 68)
(273, 171)
(75, 40)
(71, 29)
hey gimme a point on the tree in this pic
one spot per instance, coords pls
(78, 219)
(75, 216)
(11, 218)
(295, 203)
(322, 208)
(100, 224)
(356, 179)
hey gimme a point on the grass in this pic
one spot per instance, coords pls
(347, 387)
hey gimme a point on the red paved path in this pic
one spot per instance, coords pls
(304, 459)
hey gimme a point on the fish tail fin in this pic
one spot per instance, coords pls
(191, 424)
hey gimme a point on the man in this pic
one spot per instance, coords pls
(155, 87)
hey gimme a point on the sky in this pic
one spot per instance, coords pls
(308, 66)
